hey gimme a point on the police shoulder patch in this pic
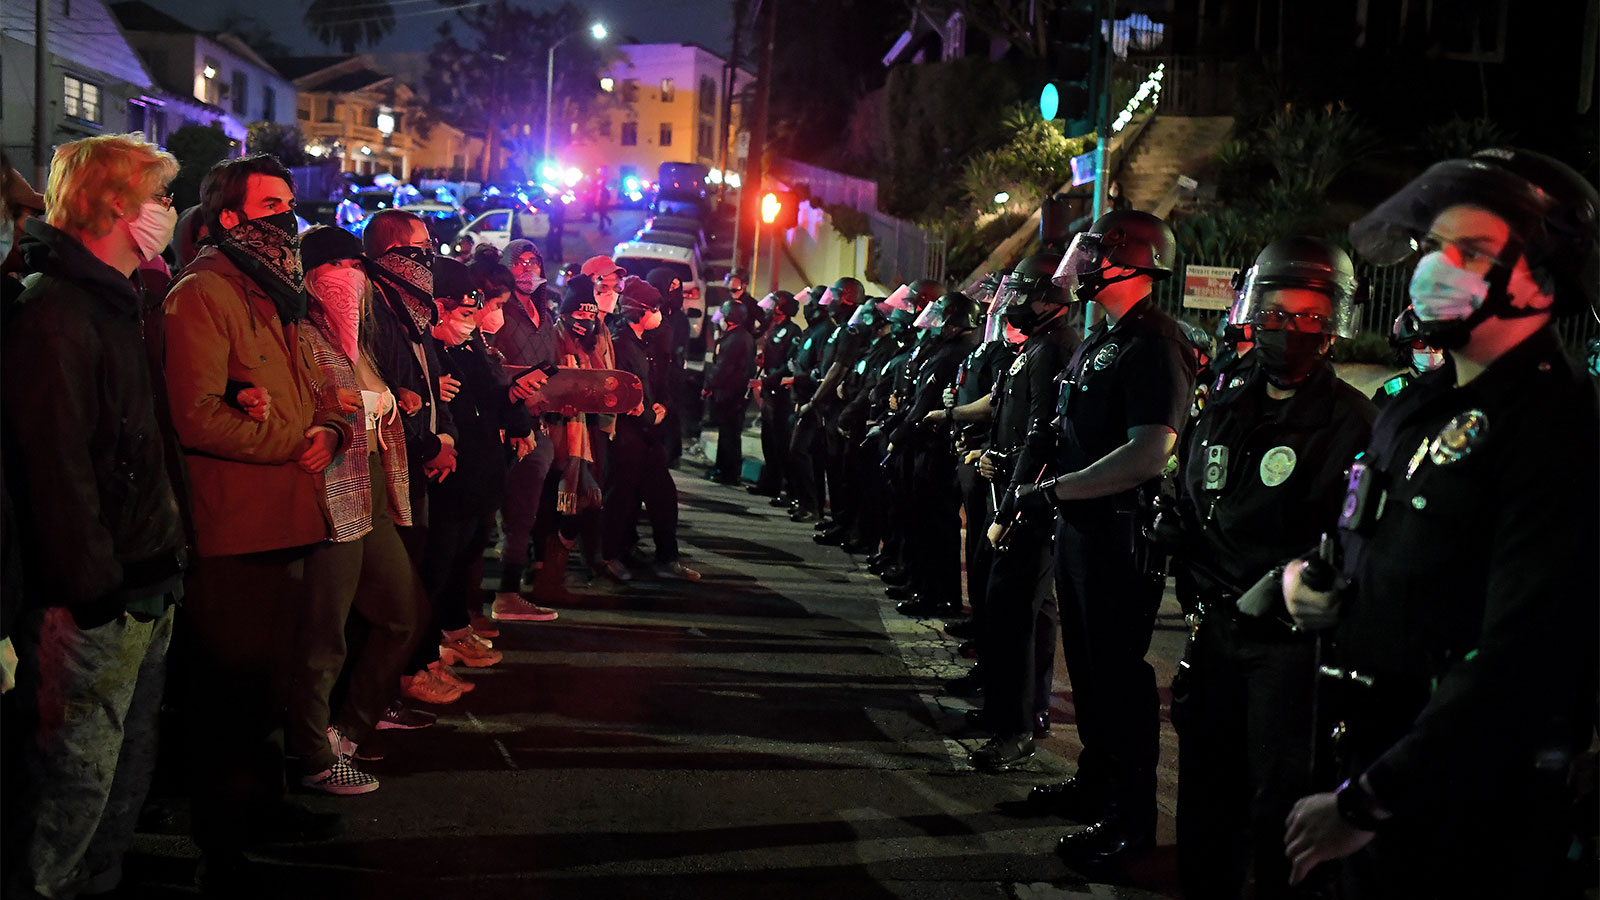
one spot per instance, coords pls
(1277, 465)
(1106, 356)
(1018, 363)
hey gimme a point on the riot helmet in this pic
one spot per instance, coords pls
(867, 317)
(1551, 212)
(899, 298)
(1298, 263)
(734, 315)
(1127, 239)
(1405, 336)
(1031, 280)
(949, 316)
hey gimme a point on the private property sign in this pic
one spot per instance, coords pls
(1208, 287)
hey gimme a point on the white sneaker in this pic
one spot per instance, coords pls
(343, 779)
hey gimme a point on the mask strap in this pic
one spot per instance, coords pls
(1093, 283)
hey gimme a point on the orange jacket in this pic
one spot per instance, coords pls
(248, 493)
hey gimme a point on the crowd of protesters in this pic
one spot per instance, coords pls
(275, 461)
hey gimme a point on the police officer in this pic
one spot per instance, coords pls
(975, 381)
(1466, 596)
(1018, 642)
(728, 390)
(838, 354)
(933, 521)
(1415, 354)
(885, 498)
(773, 352)
(806, 454)
(1124, 395)
(1262, 476)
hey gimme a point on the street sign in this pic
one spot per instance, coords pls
(742, 145)
(1187, 183)
(1083, 168)
(1208, 287)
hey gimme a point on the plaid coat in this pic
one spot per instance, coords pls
(349, 483)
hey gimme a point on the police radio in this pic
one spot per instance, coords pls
(1216, 471)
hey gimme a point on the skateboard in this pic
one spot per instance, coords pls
(571, 391)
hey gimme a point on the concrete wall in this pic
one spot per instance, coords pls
(816, 254)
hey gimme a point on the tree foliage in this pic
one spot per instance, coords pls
(487, 73)
(283, 141)
(198, 148)
(1030, 166)
(349, 24)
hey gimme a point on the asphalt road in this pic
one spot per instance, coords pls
(775, 730)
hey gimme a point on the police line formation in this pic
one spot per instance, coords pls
(1391, 665)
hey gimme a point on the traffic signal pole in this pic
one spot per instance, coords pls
(1102, 128)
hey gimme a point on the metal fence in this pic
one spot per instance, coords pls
(901, 251)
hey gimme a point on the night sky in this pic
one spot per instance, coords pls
(704, 22)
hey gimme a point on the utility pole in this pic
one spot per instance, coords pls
(729, 78)
(751, 186)
(41, 91)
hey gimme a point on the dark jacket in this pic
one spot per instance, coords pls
(396, 357)
(728, 379)
(98, 517)
(633, 355)
(481, 410)
(523, 343)
(938, 373)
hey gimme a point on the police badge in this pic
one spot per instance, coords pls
(1458, 438)
(1018, 363)
(1106, 356)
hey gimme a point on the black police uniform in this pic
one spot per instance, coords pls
(728, 380)
(777, 345)
(1018, 647)
(806, 443)
(1261, 481)
(975, 379)
(846, 348)
(895, 384)
(863, 475)
(1469, 543)
(933, 526)
(1134, 373)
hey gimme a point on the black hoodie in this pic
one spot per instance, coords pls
(85, 451)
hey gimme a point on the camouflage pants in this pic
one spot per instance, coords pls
(90, 699)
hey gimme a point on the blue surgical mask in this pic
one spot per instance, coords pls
(1443, 292)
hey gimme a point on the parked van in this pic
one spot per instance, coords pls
(494, 227)
(639, 257)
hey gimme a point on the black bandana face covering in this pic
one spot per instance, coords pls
(411, 270)
(268, 250)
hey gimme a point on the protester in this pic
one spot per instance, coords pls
(363, 566)
(105, 559)
(234, 318)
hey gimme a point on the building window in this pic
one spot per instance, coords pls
(303, 113)
(668, 91)
(81, 99)
(708, 95)
(269, 104)
(666, 134)
(605, 128)
(241, 90)
(705, 148)
(630, 134)
(331, 110)
(630, 90)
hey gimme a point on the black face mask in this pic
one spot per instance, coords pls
(1288, 357)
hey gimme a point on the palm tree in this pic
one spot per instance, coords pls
(349, 23)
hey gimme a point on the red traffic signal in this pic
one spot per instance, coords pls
(780, 208)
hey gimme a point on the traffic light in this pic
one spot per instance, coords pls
(1070, 64)
(780, 208)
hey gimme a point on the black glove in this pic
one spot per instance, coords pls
(1036, 498)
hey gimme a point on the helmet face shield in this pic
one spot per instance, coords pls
(900, 299)
(768, 303)
(1256, 305)
(1084, 255)
(865, 317)
(1394, 231)
(931, 315)
(829, 298)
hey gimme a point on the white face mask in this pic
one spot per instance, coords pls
(492, 320)
(152, 228)
(606, 297)
(1443, 292)
(1426, 360)
(339, 292)
(528, 282)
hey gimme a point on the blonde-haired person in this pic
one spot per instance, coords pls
(100, 524)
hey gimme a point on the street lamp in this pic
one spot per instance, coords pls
(596, 31)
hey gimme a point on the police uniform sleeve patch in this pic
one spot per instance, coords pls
(1106, 356)
(1459, 437)
(1277, 465)
(1018, 363)
(1394, 385)
(1237, 380)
